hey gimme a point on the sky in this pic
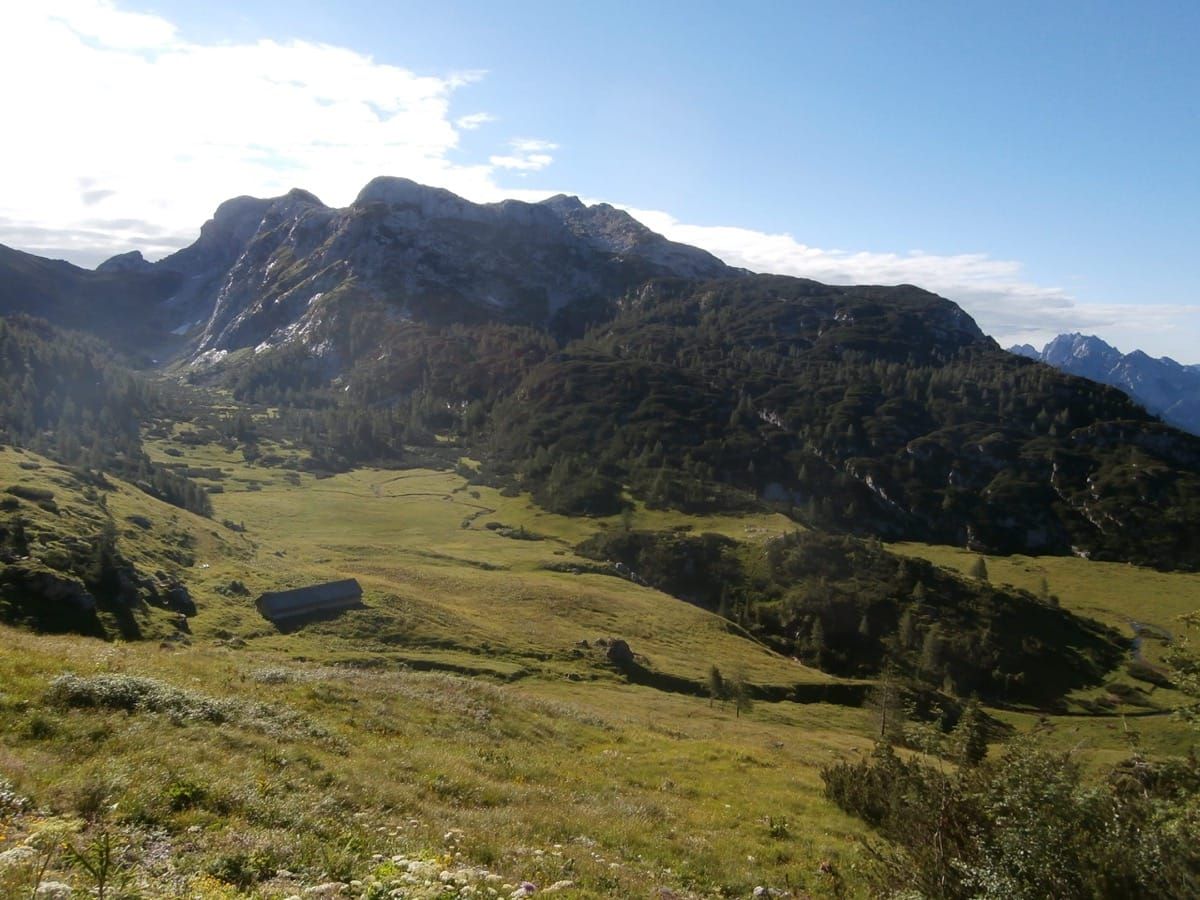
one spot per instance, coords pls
(1037, 163)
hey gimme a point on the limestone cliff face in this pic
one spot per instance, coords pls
(265, 272)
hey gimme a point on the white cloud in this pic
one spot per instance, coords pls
(528, 155)
(115, 118)
(473, 121)
(109, 26)
(531, 145)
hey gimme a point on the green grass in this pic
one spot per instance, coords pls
(432, 583)
(153, 535)
(459, 698)
(634, 788)
(1117, 594)
(1114, 593)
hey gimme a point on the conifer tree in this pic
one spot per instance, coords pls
(969, 739)
(739, 693)
(716, 685)
(886, 703)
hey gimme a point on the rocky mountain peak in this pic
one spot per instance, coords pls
(562, 204)
(255, 276)
(133, 261)
(299, 195)
(432, 202)
(1162, 386)
(1079, 346)
(267, 271)
(236, 220)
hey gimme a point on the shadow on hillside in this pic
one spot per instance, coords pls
(295, 623)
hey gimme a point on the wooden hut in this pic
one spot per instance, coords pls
(317, 598)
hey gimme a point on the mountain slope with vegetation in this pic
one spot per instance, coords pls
(850, 607)
(1166, 388)
(584, 358)
(62, 394)
(878, 411)
(125, 308)
(85, 552)
(871, 410)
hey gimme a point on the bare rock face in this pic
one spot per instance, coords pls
(271, 272)
(615, 231)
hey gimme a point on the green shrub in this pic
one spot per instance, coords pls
(1026, 825)
(185, 794)
(40, 727)
(243, 868)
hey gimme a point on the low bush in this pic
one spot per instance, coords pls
(136, 694)
(1026, 825)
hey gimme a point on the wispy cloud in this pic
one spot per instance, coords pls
(528, 155)
(474, 121)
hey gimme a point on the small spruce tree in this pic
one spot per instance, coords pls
(969, 739)
(906, 631)
(816, 642)
(716, 686)
(739, 693)
(931, 650)
(886, 702)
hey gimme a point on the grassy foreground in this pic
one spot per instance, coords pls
(455, 737)
(267, 763)
(328, 772)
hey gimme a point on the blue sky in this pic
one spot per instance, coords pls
(1035, 162)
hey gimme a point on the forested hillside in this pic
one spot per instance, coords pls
(849, 607)
(869, 410)
(61, 394)
(123, 306)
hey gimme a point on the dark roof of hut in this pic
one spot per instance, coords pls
(331, 595)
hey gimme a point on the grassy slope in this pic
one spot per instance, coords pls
(1114, 593)
(436, 589)
(640, 788)
(645, 780)
(172, 536)
(1117, 594)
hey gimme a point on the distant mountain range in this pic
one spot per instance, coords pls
(1164, 387)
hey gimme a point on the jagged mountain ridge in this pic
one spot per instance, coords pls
(1163, 386)
(264, 271)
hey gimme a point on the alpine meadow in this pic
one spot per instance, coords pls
(422, 547)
